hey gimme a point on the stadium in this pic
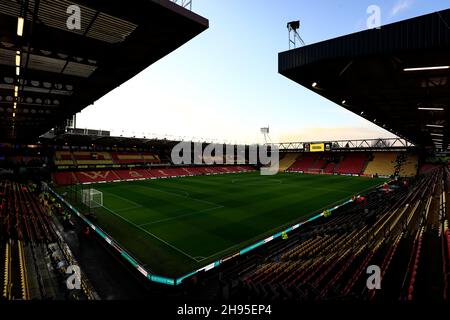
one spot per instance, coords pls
(90, 215)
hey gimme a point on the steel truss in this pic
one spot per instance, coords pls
(187, 4)
(359, 144)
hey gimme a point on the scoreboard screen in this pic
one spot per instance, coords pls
(317, 147)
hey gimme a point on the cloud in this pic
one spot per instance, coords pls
(335, 133)
(400, 6)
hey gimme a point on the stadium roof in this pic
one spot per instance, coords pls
(62, 71)
(374, 74)
(107, 141)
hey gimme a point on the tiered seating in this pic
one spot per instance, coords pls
(330, 257)
(14, 284)
(329, 168)
(19, 221)
(304, 162)
(63, 158)
(133, 174)
(64, 178)
(353, 163)
(411, 272)
(446, 259)
(383, 164)
(160, 173)
(21, 215)
(4, 268)
(96, 176)
(287, 161)
(428, 167)
(127, 158)
(150, 158)
(171, 172)
(92, 158)
(31, 263)
(318, 165)
(67, 178)
(409, 166)
(445, 235)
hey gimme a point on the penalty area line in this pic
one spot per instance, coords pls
(152, 235)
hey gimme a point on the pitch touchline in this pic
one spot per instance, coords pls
(280, 227)
(152, 235)
(181, 216)
(218, 206)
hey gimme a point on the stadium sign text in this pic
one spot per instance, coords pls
(374, 19)
(188, 153)
(73, 282)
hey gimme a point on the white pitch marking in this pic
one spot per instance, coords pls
(151, 234)
(181, 216)
(187, 195)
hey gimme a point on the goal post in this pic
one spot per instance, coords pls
(92, 198)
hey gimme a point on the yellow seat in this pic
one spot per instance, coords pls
(383, 164)
(287, 161)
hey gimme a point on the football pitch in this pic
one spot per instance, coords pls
(174, 226)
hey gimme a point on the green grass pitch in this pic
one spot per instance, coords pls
(174, 226)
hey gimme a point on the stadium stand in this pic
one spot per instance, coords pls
(103, 159)
(33, 254)
(428, 167)
(135, 158)
(287, 161)
(352, 163)
(22, 217)
(318, 165)
(398, 229)
(71, 177)
(150, 158)
(63, 158)
(92, 158)
(304, 162)
(409, 164)
(382, 164)
(64, 178)
(96, 176)
(127, 158)
(329, 168)
(133, 174)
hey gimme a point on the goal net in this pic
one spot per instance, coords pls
(92, 198)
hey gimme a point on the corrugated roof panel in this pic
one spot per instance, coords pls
(37, 90)
(53, 13)
(10, 7)
(61, 92)
(7, 57)
(110, 29)
(45, 64)
(79, 69)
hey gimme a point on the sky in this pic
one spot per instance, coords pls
(223, 85)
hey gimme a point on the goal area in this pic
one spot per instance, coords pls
(92, 198)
